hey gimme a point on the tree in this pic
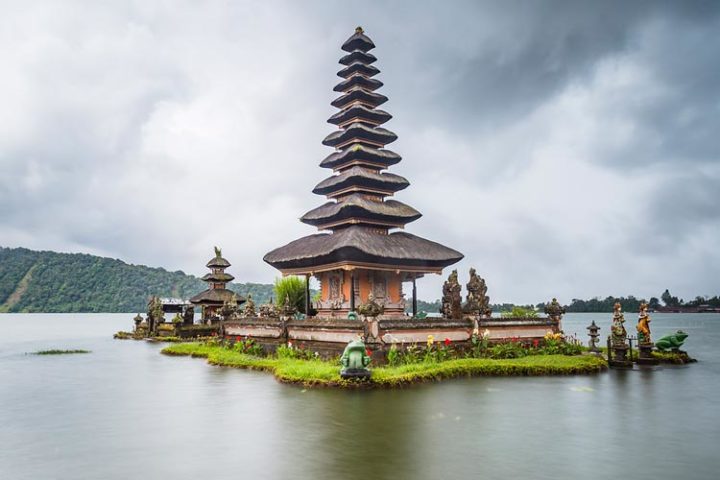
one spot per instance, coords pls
(669, 300)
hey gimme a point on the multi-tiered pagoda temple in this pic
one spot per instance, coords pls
(365, 255)
(217, 294)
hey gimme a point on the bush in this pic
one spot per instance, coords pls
(293, 288)
(520, 312)
(508, 350)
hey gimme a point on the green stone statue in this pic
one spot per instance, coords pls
(671, 342)
(355, 360)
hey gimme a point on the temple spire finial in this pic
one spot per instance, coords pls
(359, 29)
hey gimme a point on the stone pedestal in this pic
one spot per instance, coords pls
(619, 357)
(645, 357)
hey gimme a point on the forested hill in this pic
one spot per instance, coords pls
(33, 281)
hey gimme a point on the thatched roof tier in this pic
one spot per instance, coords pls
(358, 56)
(358, 81)
(362, 246)
(217, 262)
(361, 96)
(219, 277)
(360, 113)
(360, 133)
(361, 155)
(216, 296)
(358, 67)
(358, 41)
(357, 208)
(361, 180)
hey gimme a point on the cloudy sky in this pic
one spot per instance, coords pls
(567, 148)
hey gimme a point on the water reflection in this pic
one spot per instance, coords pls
(125, 411)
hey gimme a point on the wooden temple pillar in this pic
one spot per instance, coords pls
(307, 294)
(352, 290)
(414, 299)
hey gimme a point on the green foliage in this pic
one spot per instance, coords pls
(318, 372)
(60, 352)
(393, 356)
(248, 346)
(520, 312)
(62, 282)
(291, 287)
(508, 350)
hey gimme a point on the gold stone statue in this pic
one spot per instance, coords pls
(643, 325)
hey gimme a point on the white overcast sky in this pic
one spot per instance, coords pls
(567, 148)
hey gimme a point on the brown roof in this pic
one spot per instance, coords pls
(362, 245)
(358, 67)
(360, 112)
(359, 94)
(360, 132)
(216, 296)
(361, 153)
(218, 262)
(358, 81)
(361, 177)
(358, 41)
(218, 277)
(358, 56)
(358, 206)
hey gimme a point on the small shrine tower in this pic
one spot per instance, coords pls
(364, 257)
(212, 299)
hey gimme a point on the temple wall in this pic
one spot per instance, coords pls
(329, 336)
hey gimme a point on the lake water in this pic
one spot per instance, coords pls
(125, 411)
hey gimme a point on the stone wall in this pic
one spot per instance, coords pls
(330, 336)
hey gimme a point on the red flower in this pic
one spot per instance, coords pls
(536, 342)
(447, 342)
(369, 352)
(238, 338)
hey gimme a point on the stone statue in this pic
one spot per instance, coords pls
(218, 252)
(643, 325)
(452, 299)
(249, 310)
(268, 310)
(618, 333)
(554, 310)
(355, 360)
(229, 309)
(671, 342)
(154, 314)
(478, 303)
(371, 308)
(288, 308)
(189, 315)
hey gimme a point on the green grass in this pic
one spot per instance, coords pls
(325, 373)
(59, 352)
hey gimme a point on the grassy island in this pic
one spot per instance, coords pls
(59, 352)
(319, 372)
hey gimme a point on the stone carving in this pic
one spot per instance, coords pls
(671, 342)
(138, 320)
(249, 307)
(593, 330)
(618, 333)
(371, 308)
(478, 303)
(218, 252)
(452, 299)
(355, 360)
(189, 315)
(288, 309)
(229, 309)
(554, 310)
(643, 325)
(154, 314)
(268, 310)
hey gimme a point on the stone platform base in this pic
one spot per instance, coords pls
(329, 336)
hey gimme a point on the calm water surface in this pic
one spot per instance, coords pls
(125, 411)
